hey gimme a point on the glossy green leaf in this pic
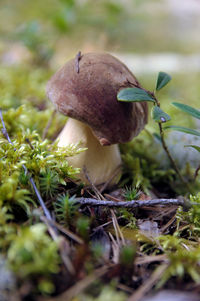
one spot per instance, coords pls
(193, 146)
(183, 129)
(159, 115)
(134, 95)
(162, 80)
(187, 109)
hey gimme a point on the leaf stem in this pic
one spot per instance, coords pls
(169, 155)
(173, 163)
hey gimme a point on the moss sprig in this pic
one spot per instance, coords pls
(65, 209)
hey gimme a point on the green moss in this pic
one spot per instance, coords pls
(66, 209)
(29, 250)
(45, 162)
(143, 160)
(190, 219)
(22, 85)
(33, 252)
(182, 263)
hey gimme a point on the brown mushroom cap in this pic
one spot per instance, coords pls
(90, 96)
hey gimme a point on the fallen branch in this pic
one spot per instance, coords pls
(131, 204)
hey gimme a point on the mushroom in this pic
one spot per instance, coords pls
(87, 93)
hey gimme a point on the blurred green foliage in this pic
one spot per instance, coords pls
(33, 253)
(40, 158)
(35, 40)
(29, 250)
(133, 25)
(34, 250)
(22, 85)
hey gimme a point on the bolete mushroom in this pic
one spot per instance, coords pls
(87, 93)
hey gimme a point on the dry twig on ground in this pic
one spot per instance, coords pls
(131, 204)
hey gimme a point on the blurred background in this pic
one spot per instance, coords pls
(148, 35)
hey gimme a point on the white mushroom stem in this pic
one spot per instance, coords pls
(101, 162)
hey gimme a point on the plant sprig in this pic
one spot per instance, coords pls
(137, 94)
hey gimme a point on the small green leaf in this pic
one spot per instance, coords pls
(194, 146)
(134, 95)
(183, 129)
(162, 80)
(187, 109)
(159, 115)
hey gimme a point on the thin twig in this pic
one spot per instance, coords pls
(163, 140)
(64, 249)
(165, 145)
(169, 155)
(170, 222)
(94, 188)
(118, 231)
(29, 143)
(63, 244)
(131, 204)
(125, 288)
(4, 131)
(146, 287)
(103, 225)
(67, 232)
(115, 228)
(116, 172)
(114, 219)
(196, 172)
(150, 259)
(46, 211)
(112, 198)
(80, 286)
(115, 249)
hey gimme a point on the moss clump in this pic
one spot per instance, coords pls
(33, 252)
(29, 250)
